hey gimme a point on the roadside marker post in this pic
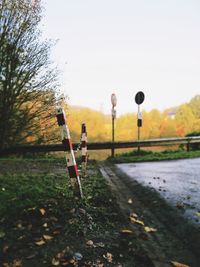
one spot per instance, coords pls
(84, 155)
(113, 112)
(70, 159)
(139, 99)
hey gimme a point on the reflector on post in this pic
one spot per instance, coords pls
(139, 122)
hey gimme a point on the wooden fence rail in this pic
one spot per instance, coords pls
(23, 149)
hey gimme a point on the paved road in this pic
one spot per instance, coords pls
(177, 181)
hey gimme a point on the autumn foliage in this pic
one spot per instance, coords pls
(172, 122)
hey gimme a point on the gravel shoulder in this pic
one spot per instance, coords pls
(175, 239)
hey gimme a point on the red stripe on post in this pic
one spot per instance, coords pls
(60, 119)
(84, 158)
(67, 144)
(83, 144)
(83, 128)
(73, 171)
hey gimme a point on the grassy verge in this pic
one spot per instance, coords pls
(143, 156)
(42, 224)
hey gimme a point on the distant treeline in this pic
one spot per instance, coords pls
(178, 121)
(172, 122)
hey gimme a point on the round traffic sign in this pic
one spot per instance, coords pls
(139, 97)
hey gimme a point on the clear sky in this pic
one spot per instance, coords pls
(126, 46)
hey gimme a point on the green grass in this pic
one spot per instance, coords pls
(143, 156)
(36, 201)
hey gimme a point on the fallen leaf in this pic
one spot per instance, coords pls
(149, 229)
(126, 231)
(134, 215)
(47, 237)
(198, 214)
(40, 243)
(17, 263)
(178, 264)
(90, 243)
(130, 201)
(108, 257)
(55, 262)
(19, 225)
(99, 263)
(42, 211)
(133, 220)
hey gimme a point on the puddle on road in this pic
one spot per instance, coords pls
(177, 181)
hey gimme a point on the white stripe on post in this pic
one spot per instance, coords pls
(70, 159)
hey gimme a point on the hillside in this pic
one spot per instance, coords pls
(174, 121)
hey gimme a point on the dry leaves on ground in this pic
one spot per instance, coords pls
(149, 229)
(178, 264)
(40, 242)
(108, 257)
(133, 218)
(126, 231)
(42, 211)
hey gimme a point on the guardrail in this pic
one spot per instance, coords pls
(23, 149)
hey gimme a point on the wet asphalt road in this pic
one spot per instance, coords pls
(177, 181)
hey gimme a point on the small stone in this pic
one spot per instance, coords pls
(78, 256)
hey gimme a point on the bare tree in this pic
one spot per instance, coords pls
(28, 80)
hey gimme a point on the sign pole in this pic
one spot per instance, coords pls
(138, 130)
(113, 132)
(114, 103)
(139, 99)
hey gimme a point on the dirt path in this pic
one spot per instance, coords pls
(174, 240)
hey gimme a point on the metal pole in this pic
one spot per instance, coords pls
(113, 133)
(114, 103)
(138, 131)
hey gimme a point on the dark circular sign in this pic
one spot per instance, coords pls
(139, 98)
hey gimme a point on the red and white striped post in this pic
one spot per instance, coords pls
(70, 159)
(83, 150)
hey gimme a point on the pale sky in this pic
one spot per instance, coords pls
(126, 46)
